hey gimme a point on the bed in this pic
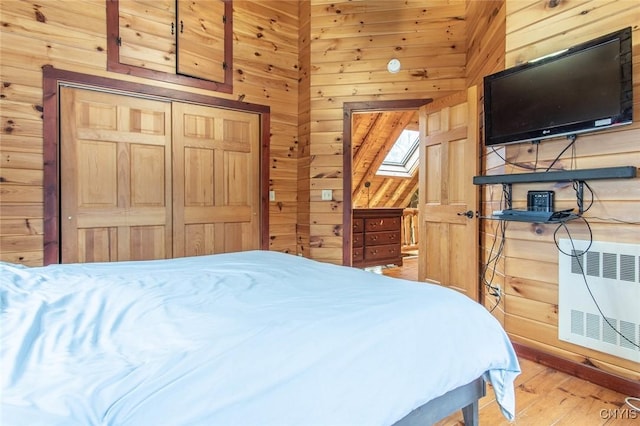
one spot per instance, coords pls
(249, 338)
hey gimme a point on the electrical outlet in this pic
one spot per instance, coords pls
(272, 195)
(327, 195)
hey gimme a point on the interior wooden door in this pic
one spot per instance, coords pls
(448, 200)
(216, 160)
(115, 177)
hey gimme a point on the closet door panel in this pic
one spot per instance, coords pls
(115, 198)
(97, 244)
(216, 180)
(148, 183)
(201, 237)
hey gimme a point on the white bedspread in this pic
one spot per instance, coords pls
(253, 338)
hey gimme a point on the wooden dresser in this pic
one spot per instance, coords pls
(376, 237)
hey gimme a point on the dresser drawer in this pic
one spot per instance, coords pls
(381, 238)
(358, 224)
(357, 254)
(382, 224)
(357, 240)
(389, 251)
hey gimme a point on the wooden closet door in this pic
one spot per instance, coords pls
(115, 177)
(216, 177)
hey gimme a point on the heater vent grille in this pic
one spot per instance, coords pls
(612, 272)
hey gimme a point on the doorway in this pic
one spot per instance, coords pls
(367, 112)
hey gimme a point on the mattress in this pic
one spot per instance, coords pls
(250, 338)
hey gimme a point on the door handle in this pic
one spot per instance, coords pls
(468, 214)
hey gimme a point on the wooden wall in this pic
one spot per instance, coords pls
(351, 43)
(71, 35)
(528, 269)
(485, 40)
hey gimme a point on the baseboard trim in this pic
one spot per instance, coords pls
(582, 371)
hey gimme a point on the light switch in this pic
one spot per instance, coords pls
(272, 195)
(327, 194)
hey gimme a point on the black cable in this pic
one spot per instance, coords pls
(522, 166)
(590, 192)
(562, 224)
(495, 291)
(577, 257)
(572, 138)
(613, 219)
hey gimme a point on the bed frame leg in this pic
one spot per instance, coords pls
(470, 414)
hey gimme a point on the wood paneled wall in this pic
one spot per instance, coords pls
(485, 40)
(351, 43)
(528, 269)
(71, 34)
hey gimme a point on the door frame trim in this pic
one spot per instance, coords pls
(348, 109)
(53, 78)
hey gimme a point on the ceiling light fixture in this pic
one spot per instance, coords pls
(393, 66)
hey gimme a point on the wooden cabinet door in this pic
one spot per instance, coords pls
(216, 177)
(115, 177)
(147, 34)
(168, 39)
(201, 38)
(448, 162)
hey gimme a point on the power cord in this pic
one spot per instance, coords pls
(519, 165)
(572, 139)
(613, 219)
(494, 291)
(564, 225)
(593, 198)
(581, 208)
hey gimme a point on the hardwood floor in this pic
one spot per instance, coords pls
(544, 396)
(408, 271)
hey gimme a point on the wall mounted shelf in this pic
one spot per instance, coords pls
(579, 176)
(623, 172)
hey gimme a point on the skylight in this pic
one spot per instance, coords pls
(402, 159)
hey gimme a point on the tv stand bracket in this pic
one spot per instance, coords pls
(579, 176)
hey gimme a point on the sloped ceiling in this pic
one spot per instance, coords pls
(373, 135)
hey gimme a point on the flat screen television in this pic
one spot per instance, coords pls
(581, 89)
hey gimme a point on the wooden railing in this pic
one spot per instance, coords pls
(409, 229)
